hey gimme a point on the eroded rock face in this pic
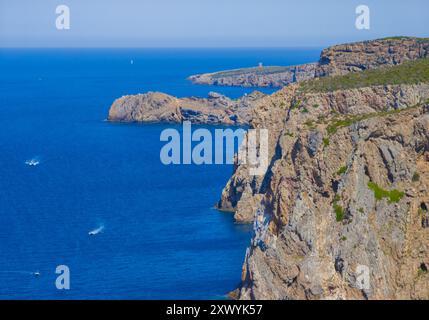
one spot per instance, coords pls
(274, 113)
(324, 221)
(160, 107)
(258, 77)
(336, 60)
(355, 57)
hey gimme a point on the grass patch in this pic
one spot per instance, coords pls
(393, 196)
(342, 170)
(296, 105)
(253, 70)
(336, 123)
(339, 211)
(405, 38)
(410, 72)
(289, 134)
(310, 124)
(326, 142)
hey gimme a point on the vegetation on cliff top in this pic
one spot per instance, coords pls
(410, 72)
(405, 38)
(347, 121)
(253, 70)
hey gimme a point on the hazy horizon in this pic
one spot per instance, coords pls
(205, 23)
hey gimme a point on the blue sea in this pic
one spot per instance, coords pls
(160, 236)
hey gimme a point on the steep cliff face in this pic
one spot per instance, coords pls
(354, 57)
(161, 107)
(289, 112)
(341, 192)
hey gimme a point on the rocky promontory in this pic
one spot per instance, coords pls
(367, 55)
(258, 77)
(335, 60)
(164, 108)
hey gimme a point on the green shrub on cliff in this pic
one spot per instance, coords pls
(411, 72)
(339, 211)
(326, 142)
(347, 121)
(393, 196)
(405, 38)
(342, 170)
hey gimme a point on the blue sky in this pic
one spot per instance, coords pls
(206, 23)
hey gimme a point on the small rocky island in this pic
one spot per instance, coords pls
(347, 185)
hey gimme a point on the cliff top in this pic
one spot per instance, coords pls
(410, 72)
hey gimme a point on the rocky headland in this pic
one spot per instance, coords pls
(348, 177)
(161, 107)
(270, 76)
(336, 60)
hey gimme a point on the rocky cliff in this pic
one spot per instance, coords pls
(258, 77)
(347, 187)
(161, 107)
(346, 190)
(336, 60)
(354, 57)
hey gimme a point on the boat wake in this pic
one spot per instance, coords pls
(33, 273)
(96, 231)
(32, 162)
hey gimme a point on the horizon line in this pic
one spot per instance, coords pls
(172, 47)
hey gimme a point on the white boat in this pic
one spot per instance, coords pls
(32, 162)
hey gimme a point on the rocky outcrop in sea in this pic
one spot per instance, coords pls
(163, 108)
